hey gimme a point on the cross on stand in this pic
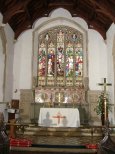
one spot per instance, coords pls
(105, 84)
(106, 145)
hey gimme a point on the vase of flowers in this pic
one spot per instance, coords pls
(103, 107)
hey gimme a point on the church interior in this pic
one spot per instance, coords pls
(57, 76)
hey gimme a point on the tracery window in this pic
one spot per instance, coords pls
(60, 57)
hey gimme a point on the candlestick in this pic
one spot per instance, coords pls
(59, 97)
(105, 107)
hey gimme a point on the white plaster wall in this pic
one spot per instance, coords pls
(97, 52)
(110, 68)
(2, 58)
(1, 64)
(97, 59)
(110, 54)
(9, 62)
(16, 69)
(26, 61)
(22, 63)
(1, 18)
(9, 35)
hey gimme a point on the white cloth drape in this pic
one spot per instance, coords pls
(59, 117)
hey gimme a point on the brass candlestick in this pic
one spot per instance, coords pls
(73, 96)
(59, 97)
(105, 108)
(51, 101)
(44, 97)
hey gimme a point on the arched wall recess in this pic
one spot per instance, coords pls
(59, 21)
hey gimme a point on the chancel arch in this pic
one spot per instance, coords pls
(60, 77)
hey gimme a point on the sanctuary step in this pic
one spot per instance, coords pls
(51, 151)
(61, 140)
(60, 131)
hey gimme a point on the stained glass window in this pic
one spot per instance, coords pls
(60, 57)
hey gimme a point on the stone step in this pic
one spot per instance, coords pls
(61, 134)
(80, 129)
(43, 131)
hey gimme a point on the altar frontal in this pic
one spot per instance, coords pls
(59, 117)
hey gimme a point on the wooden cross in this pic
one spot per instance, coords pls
(105, 84)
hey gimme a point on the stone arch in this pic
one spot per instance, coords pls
(52, 23)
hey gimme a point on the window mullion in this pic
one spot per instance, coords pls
(74, 77)
(64, 61)
(55, 75)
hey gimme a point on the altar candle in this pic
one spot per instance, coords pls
(44, 96)
(105, 107)
(51, 97)
(59, 97)
(73, 96)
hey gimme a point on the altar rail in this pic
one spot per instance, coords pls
(90, 131)
(33, 129)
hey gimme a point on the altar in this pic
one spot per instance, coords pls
(59, 117)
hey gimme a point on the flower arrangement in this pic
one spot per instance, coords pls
(100, 104)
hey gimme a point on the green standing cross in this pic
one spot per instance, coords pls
(105, 84)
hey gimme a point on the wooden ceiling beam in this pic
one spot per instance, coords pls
(56, 3)
(104, 9)
(28, 13)
(21, 29)
(14, 8)
(92, 23)
(107, 14)
(99, 14)
(2, 4)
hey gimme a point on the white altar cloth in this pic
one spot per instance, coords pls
(59, 117)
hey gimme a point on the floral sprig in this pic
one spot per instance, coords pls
(100, 103)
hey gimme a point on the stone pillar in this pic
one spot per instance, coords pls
(92, 100)
(26, 98)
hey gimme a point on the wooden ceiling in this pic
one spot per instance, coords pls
(21, 14)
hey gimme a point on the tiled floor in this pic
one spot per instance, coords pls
(51, 140)
(65, 140)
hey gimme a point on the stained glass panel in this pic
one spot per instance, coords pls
(60, 57)
(42, 60)
(51, 60)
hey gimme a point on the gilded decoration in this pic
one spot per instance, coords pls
(60, 96)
